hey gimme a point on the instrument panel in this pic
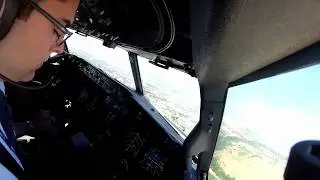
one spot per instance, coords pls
(107, 134)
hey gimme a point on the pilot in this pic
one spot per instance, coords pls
(32, 37)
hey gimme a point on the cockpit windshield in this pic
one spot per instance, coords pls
(175, 94)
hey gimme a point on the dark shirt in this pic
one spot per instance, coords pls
(8, 157)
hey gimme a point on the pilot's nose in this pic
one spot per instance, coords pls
(57, 49)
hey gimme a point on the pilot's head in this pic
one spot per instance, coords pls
(33, 37)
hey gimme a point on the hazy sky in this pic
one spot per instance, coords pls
(278, 111)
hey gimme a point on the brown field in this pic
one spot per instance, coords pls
(241, 159)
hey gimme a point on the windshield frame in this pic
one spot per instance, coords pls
(133, 58)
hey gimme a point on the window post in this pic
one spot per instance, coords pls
(202, 139)
(136, 72)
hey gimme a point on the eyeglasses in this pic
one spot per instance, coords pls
(65, 33)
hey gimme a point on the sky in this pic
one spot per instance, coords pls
(277, 111)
